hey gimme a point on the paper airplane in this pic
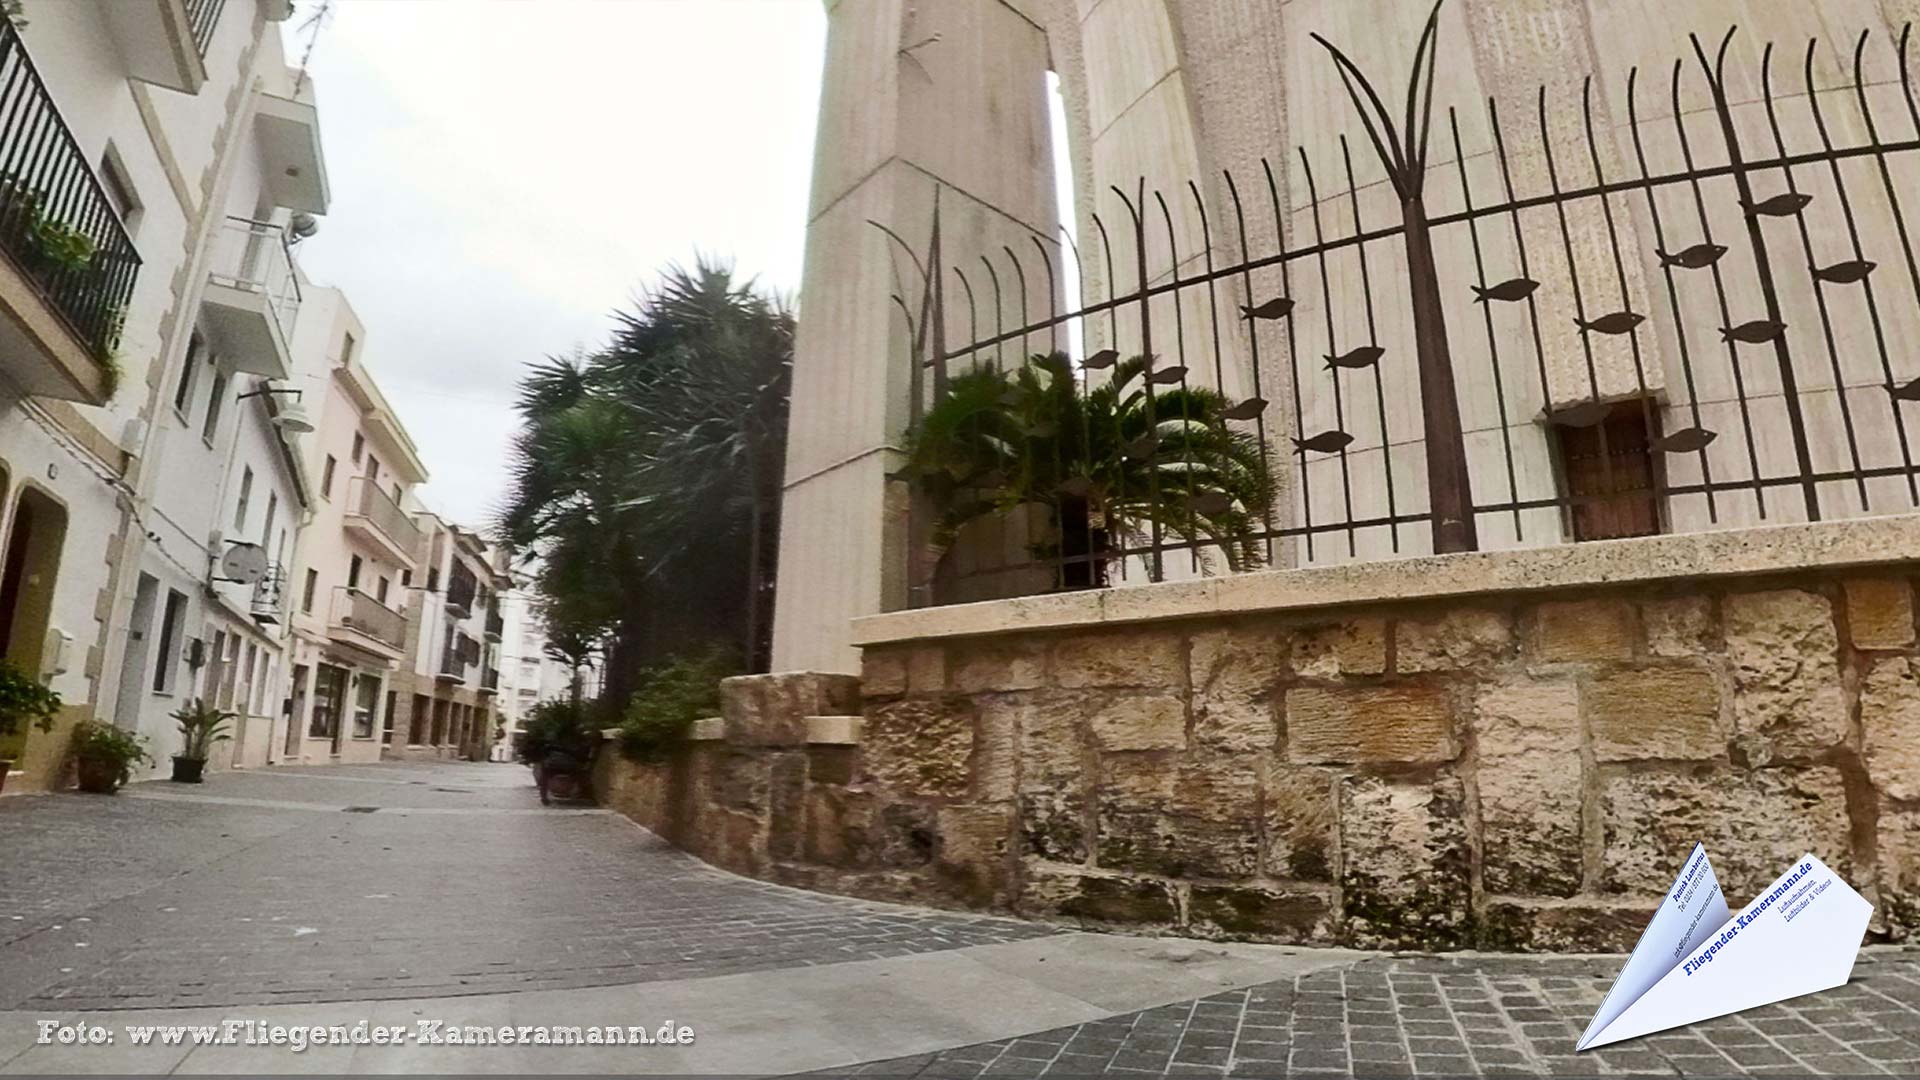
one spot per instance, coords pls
(1696, 960)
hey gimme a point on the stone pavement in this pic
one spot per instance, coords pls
(395, 893)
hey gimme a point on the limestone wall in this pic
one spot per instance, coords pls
(1520, 767)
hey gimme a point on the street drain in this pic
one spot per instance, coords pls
(360, 809)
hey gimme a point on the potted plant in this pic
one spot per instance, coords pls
(23, 699)
(106, 756)
(201, 725)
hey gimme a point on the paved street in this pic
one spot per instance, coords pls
(446, 890)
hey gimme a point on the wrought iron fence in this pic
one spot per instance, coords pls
(1697, 314)
(202, 17)
(56, 222)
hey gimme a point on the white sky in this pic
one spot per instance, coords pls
(507, 173)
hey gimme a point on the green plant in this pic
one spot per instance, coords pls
(670, 698)
(61, 244)
(201, 725)
(1111, 460)
(24, 698)
(556, 727)
(112, 747)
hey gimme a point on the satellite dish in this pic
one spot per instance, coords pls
(244, 563)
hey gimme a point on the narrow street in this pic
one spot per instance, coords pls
(401, 893)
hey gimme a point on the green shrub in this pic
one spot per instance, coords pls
(117, 748)
(671, 697)
(556, 727)
(24, 698)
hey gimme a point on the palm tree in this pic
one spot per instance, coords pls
(1114, 461)
(647, 475)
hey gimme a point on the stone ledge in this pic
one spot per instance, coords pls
(833, 730)
(1702, 555)
(707, 729)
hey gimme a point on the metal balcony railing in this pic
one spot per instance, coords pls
(270, 595)
(359, 611)
(453, 658)
(496, 624)
(255, 256)
(462, 587)
(490, 681)
(202, 17)
(56, 222)
(369, 500)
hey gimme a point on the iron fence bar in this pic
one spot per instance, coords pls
(1186, 402)
(1156, 570)
(1819, 289)
(1763, 267)
(1859, 261)
(999, 318)
(1719, 290)
(1886, 178)
(1520, 252)
(1053, 297)
(1020, 279)
(1113, 343)
(1293, 355)
(1673, 293)
(973, 320)
(1333, 350)
(1373, 339)
(1656, 463)
(1486, 312)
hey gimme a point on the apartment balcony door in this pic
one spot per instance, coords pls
(296, 711)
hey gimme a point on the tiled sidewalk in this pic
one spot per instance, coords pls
(1462, 1016)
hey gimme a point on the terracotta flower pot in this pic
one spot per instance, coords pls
(99, 777)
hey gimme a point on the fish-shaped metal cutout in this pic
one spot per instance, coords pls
(1210, 502)
(1785, 204)
(1844, 273)
(1075, 486)
(1618, 322)
(1584, 415)
(1325, 443)
(1165, 375)
(1245, 410)
(1909, 392)
(1143, 447)
(1364, 356)
(1754, 332)
(1685, 441)
(1693, 258)
(1512, 289)
(1105, 358)
(1277, 308)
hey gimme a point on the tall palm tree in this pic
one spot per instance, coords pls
(646, 477)
(1115, 462)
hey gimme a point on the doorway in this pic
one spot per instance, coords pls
(27, 579)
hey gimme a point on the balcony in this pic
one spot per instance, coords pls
(252, 296)
(269, 605)
(496, 624)
(367, 624)
(287, 130)
(374, 515)
(462, 587)
(456, 657)
(490, 681)
(164, 41)
(69, 269)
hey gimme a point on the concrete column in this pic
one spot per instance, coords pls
(915, 96)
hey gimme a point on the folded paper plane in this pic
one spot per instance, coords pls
(1697, 960)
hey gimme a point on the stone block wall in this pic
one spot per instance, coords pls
(1501, 771)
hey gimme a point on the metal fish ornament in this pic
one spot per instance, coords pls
(1165, 375)
(1909, 392)
(1143, 447)
(1276, 308)
(1325, 443)
(1785, 204)
(1105, 358)
(1844, 273)
(1210, 502)
(1693, 258)
(1685, 441)
(1586, 414)
(1754, 332)
(1245, 410)
(1618, 322)
(1512, 289)
(1364, 356)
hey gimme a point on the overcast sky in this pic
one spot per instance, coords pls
(507, 173)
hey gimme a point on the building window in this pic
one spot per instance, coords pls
(266, 530)
(353, 572)
(246, 496)
(417, 723)
(329, 693)
(306, 595)
(380, 590)
(373, 469)
(326, 477)
(1609, 473)
(366, 699)
(346, 351)
(173, 624)
(214, 402)
(113, 181)
(359, 446)
(183, 393)
(406, 579)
